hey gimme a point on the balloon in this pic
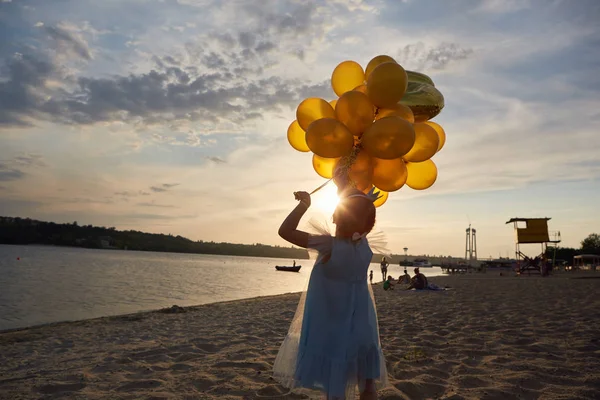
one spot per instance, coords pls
(398, 110)
(311, 110)
(424, 100)
(297, 137)
(324, 166)
(387, 84)
(421, 175)
(333, 103)
(382, 193)
(426, 144)
(355, 111)
(329, 138)
(388, 138)
(346, 76)
(361, 88)
(440, 132)
(360, 172)
(375, 62)
(419, 77)
(389, 175)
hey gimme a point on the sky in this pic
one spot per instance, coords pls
(171, 116)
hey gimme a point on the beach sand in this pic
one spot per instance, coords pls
(489, 337)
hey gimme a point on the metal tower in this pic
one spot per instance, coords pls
(471, 245)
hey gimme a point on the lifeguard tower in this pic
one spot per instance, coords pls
(533, 231)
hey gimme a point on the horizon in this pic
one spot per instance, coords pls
(176, 120)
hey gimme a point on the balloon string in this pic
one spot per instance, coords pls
(321, 187)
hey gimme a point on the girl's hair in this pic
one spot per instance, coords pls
(354, 214)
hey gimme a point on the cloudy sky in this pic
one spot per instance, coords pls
(170, 116)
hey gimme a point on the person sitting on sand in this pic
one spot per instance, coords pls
(388, 284)
(419, 281)
(404, 278)
(371, 277)
(333, 344)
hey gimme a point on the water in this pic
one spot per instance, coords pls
(50, 284)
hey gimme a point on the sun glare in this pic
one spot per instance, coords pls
(326, 199)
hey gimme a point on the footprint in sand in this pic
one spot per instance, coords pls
(135, 385)
(61, 388)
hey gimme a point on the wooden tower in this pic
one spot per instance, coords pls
(534, 231)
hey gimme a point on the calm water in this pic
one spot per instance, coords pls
(50, 284)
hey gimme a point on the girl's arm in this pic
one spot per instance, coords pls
(288, 229)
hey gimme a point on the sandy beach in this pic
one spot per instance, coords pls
(489, 337)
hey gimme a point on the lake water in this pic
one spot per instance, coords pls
(42, 284)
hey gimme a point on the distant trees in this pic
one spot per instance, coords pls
(591, 244)
(28, 231)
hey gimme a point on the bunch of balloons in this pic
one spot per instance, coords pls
(377, 132)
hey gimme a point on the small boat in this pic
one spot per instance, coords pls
(406, 263)
(288, 268)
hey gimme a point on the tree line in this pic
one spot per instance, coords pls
(30, 231)
(589, 245)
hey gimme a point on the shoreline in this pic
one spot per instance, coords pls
(490, 336)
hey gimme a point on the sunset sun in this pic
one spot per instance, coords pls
(327, 199)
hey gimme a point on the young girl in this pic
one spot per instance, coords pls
(333, 341)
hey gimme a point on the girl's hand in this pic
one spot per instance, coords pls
(303, 197)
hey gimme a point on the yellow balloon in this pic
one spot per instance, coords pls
(375, 62)
(440, 132)
(388, 138)
(329, 138)
(346, 76)
(324, 166)
(426, 144)
(399, 110)
(361, 88)
(355, 111)
(421, 175)
(387, 84)
(389, 175)
(360, 172)
(333, 103)
(424, 100)
(297, 137)
(382, 193)
(312, 109)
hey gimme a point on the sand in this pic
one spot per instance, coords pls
(490, 337)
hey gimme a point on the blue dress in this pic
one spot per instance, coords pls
(333, 342)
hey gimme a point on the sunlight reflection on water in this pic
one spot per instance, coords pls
(50, 284)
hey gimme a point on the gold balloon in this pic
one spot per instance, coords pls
(398, 110)
(388, 138)
(375, 62)
(361, 88)
(419, 77)
(324, 166)
(382, 193)
(297, 137)
(333, 103)
(355, 111)
(389, 175)
(312, 109)
(424, 100)
(440, 132)
(329, 138)
(426, 143)
(387, 84)
(346, 76)
(360, 172)
(421, 175)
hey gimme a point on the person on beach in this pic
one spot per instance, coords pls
(404, 278)
(294, 263)
(371, 277)
(333, 341)
(384, 267)
(388, 284)
(419, 281)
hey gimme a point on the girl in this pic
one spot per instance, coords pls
(333, 341)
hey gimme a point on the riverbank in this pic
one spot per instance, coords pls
(490, 336)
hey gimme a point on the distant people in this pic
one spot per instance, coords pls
(371, 277)
(294, 263)
(384, 267)
(388, 284)
(419, 281)
(404, 278)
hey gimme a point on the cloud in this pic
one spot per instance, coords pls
(216, 160)
(8, 173)
(68, 41)
(418, 56)
(152, 204)
(163, 188)
(14, 169)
